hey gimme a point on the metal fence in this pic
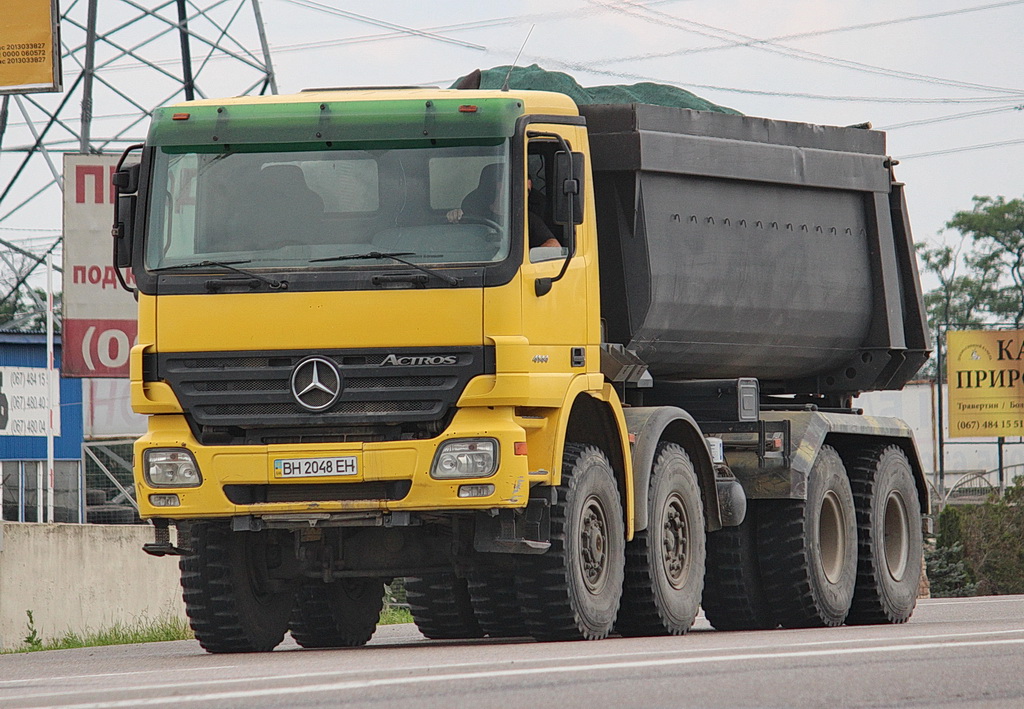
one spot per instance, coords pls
(109, 485)
(23, 485)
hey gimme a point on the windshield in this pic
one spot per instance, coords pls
(306, 208)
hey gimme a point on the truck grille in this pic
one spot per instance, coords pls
(253, 390)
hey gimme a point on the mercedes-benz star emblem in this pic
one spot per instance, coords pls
(316, 383)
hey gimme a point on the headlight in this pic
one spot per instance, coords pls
(171, 467)
(474, 458)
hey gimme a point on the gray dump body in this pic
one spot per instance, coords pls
(733, 246)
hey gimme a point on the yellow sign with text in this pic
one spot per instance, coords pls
(986, 383)
(29, 55)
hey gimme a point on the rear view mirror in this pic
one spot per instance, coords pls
(126, 184)
(125, 181)
(568, 188)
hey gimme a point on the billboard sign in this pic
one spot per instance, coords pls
(100, 317)
(25, 405)
(985, 370)
(29, 49)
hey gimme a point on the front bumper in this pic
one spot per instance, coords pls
(391, 476)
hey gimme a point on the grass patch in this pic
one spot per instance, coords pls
(142, 631)
(393, 615)
(145, 631)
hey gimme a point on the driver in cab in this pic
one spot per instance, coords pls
(485, 202)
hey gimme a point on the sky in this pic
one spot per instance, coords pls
(942, 77)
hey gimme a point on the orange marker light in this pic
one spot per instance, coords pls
(467, 109)
(181, 116)
(520, 448)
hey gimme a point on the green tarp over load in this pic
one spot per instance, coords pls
(534, 78)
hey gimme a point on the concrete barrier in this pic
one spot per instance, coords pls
(81, 578)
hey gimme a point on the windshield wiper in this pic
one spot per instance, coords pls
(394, 256)
(227, 266)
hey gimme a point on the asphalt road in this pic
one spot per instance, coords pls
(953, 652)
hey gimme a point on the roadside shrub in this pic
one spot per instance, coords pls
(947, 572)
(980, 548)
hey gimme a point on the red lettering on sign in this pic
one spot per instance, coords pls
(81, 173)
(97, 348)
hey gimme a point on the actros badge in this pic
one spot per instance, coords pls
(316, 383)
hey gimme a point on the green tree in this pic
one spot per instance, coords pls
(968, 283)
(27, 311)
(996, 227)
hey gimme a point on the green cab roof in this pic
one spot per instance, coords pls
(333, 119)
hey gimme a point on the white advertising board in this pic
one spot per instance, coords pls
(100, 317)
(107, 409)
(25, 406)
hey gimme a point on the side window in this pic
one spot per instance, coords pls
(544, 236)
(178, 209)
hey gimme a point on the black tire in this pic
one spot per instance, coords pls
(441, 607)
(734, 596)
(890, 545)
(572, 591)
(339, 614)
(231, 603)
(495, 602)
(808, 549)
(110, 514)
(665, 562)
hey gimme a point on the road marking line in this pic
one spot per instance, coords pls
(519, 672)
(116, 674)
(970, 601)
(450, 666)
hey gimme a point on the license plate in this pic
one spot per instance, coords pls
(312, 467)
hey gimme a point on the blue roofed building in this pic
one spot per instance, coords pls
(23, 457)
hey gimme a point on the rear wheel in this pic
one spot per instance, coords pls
(734, 596)
(343, 613)
(808, 548)
(232, 602)
(572, 591)
(889, 537)
(441, 607)
(665, 561)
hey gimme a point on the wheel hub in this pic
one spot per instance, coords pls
(593, 544)
(895, 535)
(832, 537)
(675, 541)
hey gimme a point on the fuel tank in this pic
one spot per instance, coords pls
(733, 246)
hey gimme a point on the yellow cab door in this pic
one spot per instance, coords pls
(560, 315)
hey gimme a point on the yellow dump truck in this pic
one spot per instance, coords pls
(569, 371)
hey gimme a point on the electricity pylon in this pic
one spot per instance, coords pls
(121, 59)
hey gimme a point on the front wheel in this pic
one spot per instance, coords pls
(665, 562)
(572, 591)
(343, 613)
(232, 601)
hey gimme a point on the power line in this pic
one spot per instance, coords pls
(582, 66)
(527, 18)
(963, 149)
(312, 5)
(706, 30)
(953, 117)
(813, 33)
